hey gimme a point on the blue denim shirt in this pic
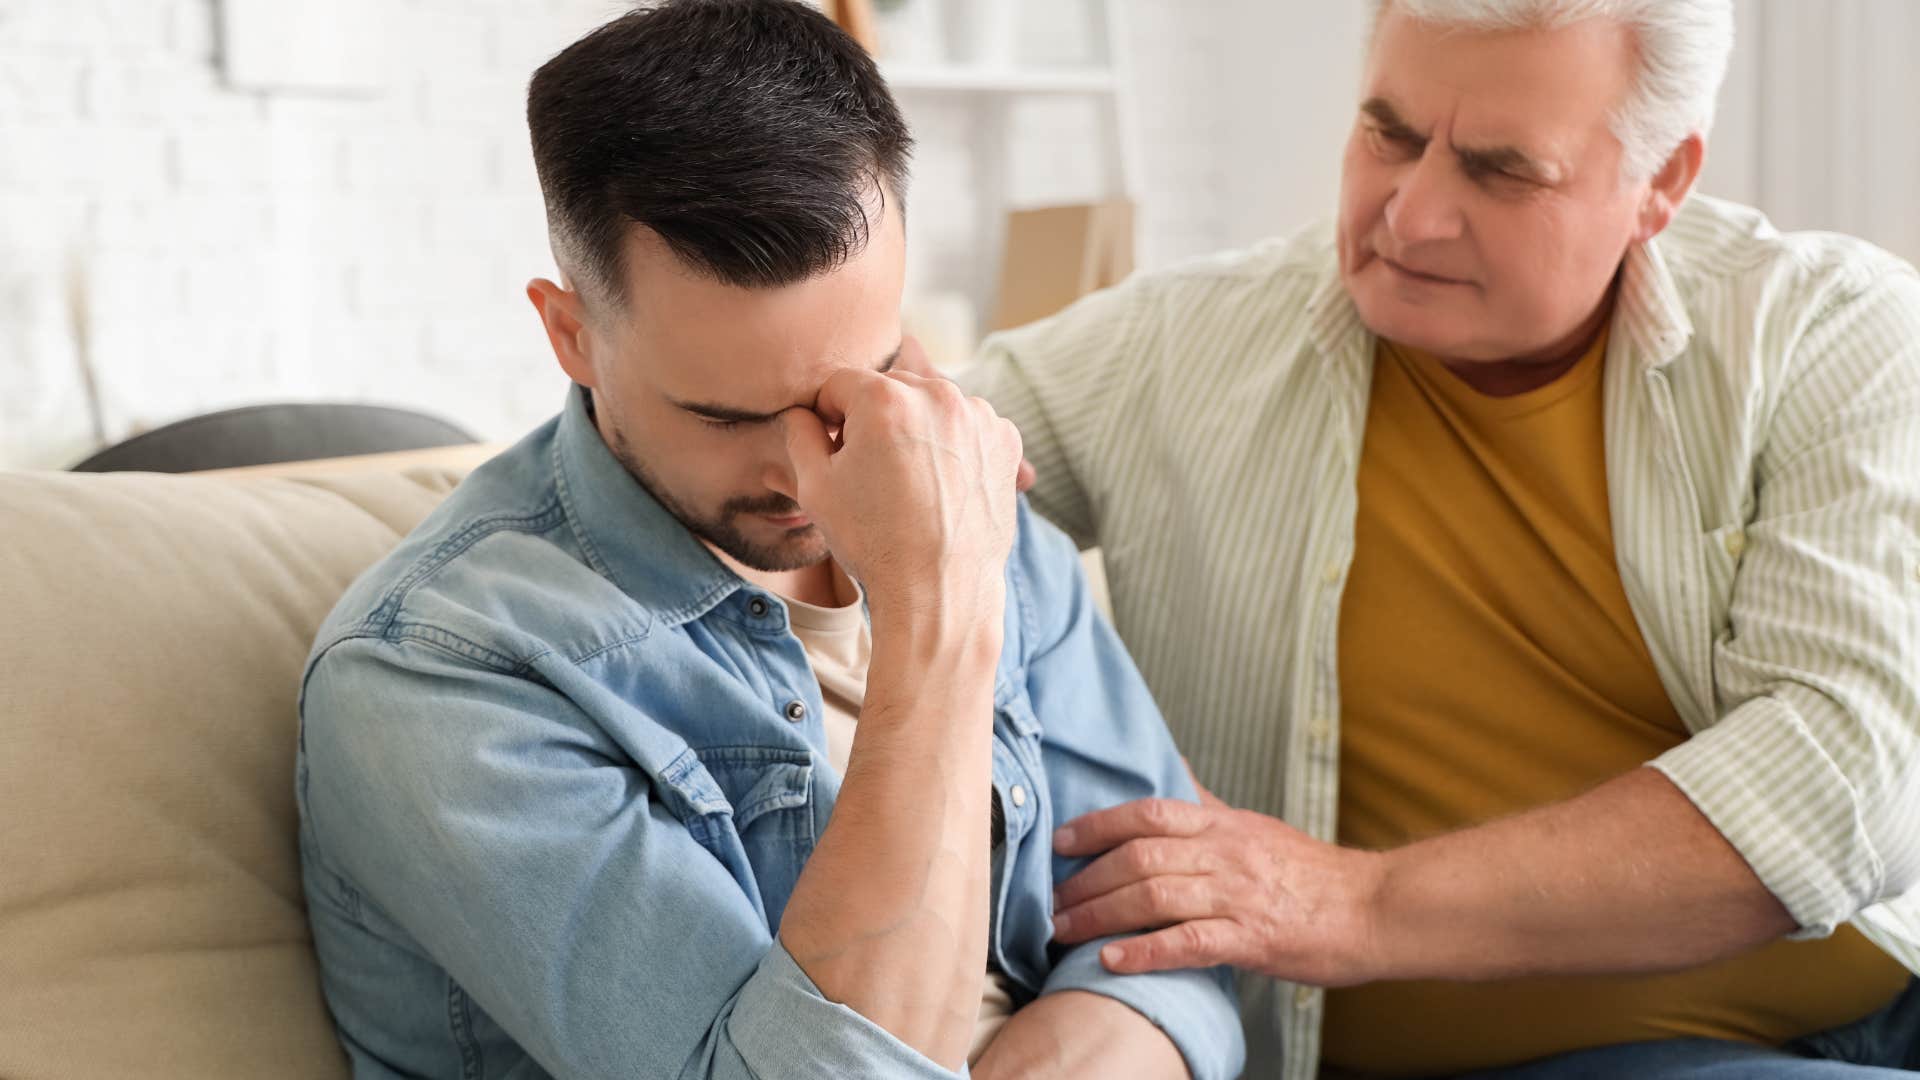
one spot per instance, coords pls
(559, 770)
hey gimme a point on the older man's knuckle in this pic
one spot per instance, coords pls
(1190, 938)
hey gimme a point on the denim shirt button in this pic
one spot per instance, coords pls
(796, 711)
(757, 607)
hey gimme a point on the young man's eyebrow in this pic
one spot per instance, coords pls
(729, 414)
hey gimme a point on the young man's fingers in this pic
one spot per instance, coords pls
(808, 445)
(914, 359)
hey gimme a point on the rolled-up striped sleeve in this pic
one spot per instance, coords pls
(1813, 769)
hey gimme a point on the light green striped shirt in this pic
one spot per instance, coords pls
(1203, 426)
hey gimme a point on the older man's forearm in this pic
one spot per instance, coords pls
(1629, 877)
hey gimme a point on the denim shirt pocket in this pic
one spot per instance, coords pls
(751, 807)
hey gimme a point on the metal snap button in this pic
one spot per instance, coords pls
(796, 711)
(757, 607)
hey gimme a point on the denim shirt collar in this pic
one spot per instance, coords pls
(627, 536)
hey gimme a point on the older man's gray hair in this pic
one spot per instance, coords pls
(1682, 48)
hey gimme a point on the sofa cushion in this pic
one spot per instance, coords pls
(152, 633)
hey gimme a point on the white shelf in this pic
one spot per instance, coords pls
(976, 79)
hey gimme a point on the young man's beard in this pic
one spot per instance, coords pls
(799, 548)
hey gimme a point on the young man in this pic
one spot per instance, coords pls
(719, 727)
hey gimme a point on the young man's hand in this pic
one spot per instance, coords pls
(913, 360)
(916, 493)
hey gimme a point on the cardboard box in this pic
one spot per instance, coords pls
(1057, 254)
(856, 18)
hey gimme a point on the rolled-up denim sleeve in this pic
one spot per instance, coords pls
(1195, 1007)
(511, 838)
(1103, 743)
(780, 1015)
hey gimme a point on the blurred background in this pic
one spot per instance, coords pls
(213, 203)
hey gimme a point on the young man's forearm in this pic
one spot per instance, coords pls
(890, 914)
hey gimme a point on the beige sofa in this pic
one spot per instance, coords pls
(152, 632)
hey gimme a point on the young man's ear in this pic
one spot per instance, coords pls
(564, 316)
(1670, 187)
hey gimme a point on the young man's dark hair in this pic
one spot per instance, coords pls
(624, 131)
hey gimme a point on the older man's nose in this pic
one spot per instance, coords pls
(1425, 204)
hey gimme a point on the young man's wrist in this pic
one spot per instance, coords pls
(955, 629)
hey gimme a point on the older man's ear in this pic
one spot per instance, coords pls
(1670, 187)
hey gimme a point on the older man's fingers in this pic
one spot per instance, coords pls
(1142, 905)
(1200, 943)
(1135, 860)
(1100, 830)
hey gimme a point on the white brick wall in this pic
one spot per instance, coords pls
(197, 248)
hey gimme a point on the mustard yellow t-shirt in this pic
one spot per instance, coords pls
(1489, 663)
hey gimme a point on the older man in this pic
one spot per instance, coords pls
(1536, 557)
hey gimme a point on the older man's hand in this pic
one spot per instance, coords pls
(1217, 885)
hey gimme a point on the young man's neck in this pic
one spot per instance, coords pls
(823, 584)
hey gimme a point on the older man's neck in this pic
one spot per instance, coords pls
(1506, 378)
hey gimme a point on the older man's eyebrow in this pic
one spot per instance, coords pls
(727, 414)
(1476, 160)
(1391, 125)
(1482, 161)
